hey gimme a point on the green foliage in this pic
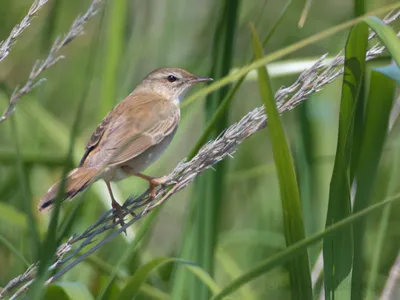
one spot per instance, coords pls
(377, 113)
(299, 269)
(338, 250)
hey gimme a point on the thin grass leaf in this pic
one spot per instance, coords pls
(133, 284)
(101, 265)
(68, 221)
(383, 227)
(377, 114)
(216, 117)
(387, 36)
(224, 105)
(129, 252)
(277, 22)
(49, 245)
(299, 247)
(359, 7)
(338, 249)
(180, 283)
(359, 10)
(114, 44)
(231, 268)
(299, 270)
(210, 186)
(304, 13)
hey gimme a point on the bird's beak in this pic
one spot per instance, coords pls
(200, 79)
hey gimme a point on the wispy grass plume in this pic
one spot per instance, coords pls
(76, 29)
(6, 45)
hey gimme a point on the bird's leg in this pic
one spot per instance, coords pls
(118, 208)
(153, 182)
(119, 215)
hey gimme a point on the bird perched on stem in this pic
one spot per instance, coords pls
(131, 137)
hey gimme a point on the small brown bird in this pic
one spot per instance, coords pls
(131, 137)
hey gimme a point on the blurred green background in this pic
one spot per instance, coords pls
(124, 42)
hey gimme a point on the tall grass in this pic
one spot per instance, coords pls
(253, 227)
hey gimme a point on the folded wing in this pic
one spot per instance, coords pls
(136, 124)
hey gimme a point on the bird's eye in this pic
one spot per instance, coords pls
(171, 78)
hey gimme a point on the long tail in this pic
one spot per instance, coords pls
(77, 180)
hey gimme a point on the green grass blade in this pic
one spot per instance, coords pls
(49, 245)
(304, 13)
(103, 266)
(387, 36)
(299, 270)
(134, 283)
(277, 22)
(180, 281)
(210, 186)
(114, 44)
(359, 7)
(383, 225)
(129, 252)
(379, 105)
(338, 249)
(299, 247)
(231, 268)
(215, 118)
(224, 105)
(359, 10)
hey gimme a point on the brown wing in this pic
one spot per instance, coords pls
(136, 124)
(95, 138)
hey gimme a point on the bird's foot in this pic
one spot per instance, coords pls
(154, 183)
(119, 213)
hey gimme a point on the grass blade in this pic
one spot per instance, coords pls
(304, 13)
(299, 270)
(114, 43)
(359, 7)
(338, 249)
(379, 105)
(223, 106)
(387, 35)
(209, 187)
(49, 245)
(129, 252)
(383, 225)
